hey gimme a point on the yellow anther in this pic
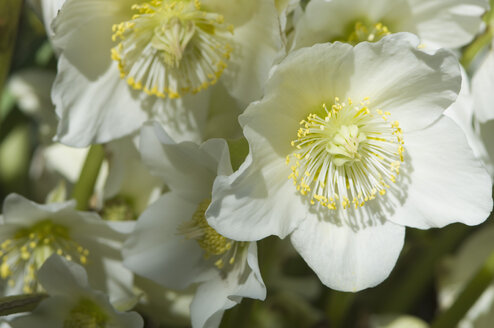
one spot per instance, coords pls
(164, 39)
(36, 242)
(4, 270)
(220, 248)
(345, 150)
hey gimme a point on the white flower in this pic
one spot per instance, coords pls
(72, 302)
(456, 271)
(482, 86)
(173, 232)
(115, 53)
(130, 187)
(462, 112)
(483, 111)
(438, 23)
(349, 146)
(31, 232)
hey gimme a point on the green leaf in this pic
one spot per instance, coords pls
(20, 303)
(239, 148)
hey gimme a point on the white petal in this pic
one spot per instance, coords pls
(184, 119)
(352, 254)
(129, 176)
(255, 202)
(482, 86)
(446, 23)
(257, 44)
(218, 149)
(270, 124)
(83, 31)
(185, 167)
(120, 281)
(255, 279)
(446, 182)
(66, 284)
(45, 315)
(64, 160)
(61, 277)
(461, 112)
(215, 296)
(49, 10)
(209, 303)
(157, 251)
(415, 87)
(19, 210)
(94, 110)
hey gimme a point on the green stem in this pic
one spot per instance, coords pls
(10, 11)
(481, 41)
(469, 295)
(84, 188)
(415, 281)
(474, 48)
(337, 307)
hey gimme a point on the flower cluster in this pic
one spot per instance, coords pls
(181, 135)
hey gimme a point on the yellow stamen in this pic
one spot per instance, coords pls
(346, 154)
(171, 47)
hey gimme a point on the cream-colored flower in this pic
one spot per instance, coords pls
(482, 86)
(173, 231)
(462, 112)
(349, 146)
(438, 23)
(124, 61)
(130, 187)
(31, 232)
(72, 302)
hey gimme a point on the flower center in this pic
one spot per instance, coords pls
(26, 252)
(347, 155)
(363, 30)
(86, 314)
(222, 249)
(172, 47)
(119, 208)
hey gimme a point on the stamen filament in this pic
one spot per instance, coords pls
(348, 155)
